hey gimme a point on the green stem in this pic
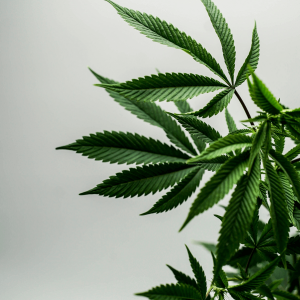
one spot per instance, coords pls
(244, 107)
(209, 290)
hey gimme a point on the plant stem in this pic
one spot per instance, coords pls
(244, 107)
(295, 160)
(209, 290)
(249, 260)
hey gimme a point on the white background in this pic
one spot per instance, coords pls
(55, 244)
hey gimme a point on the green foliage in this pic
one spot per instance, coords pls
(251, 60)
(218, 186)
(216, 105)
(238, 214)
(169, 87)
(125, 148)
(141, 180)
(251, 160)
(224, 34)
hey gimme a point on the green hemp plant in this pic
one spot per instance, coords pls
(251, 159)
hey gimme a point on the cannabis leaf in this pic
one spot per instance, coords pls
(125, 148)
(153, 114)
(257, 279)
(278, 210)
(262, 97)
(224, 34)
(230, 122)
(183, 278)
(166, 34)
(216, 105)
(179, 193)
(251, 60)
(172, 292)
(169, 87)
(141, 180)
(224, 145)
(219, 185)
(238, 214)
(199, 273)
(198, 128)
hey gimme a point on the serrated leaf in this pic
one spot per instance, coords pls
(278, 210)
(263, 196)
(179, 193)
(230, 122)
(289, 195)
(219, 278)
(293, 153)
(251, 60)
(265, 291)
(279, 143)
(141, 180)
(243, 296)
(125, 148)
(262, 97)
(266, 234)
(238, 215)
(210, 164)
(244, 131)
(256, 119)
(183, 278)
(285, 295)
(169, 87)
(219, 185)
(257, 279)
(293, 246)
(198, 273)
(161, 32)
(296, 216)
(258, 142)
(294, 113)
(224, 145)
(198, 128)
(172, 292)
(208, 246)
(183, 106)
(153, 114)
(242, 256)
(224, 34)
(288, 170)
(216, 105)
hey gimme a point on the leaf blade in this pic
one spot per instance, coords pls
(169, 87)
(224, 34)
(172, 292)
(152, 114)
(278, 210)
(179, 193)
(141, 180)
(216, 105)
(252, 59)
(238, 215)
(162, 32)
(218, 186)
(125, 148)
(198, 273)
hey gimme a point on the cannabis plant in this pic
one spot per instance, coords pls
(251, 160)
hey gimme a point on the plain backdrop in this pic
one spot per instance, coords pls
(55, 244)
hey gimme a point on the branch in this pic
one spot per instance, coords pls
(244, 107)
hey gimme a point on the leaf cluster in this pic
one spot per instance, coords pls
(250, 161)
